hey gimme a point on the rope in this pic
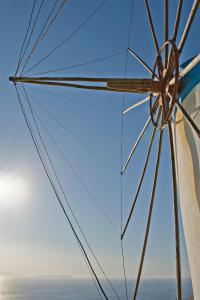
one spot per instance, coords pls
(67, 38)
(56, 192)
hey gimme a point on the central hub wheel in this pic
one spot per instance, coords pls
(166, 71)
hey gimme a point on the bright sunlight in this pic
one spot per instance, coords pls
(13, 189)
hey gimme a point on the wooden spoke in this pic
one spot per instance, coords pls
(141, 178)
(136, 105)
(188, 118)
(149, 215)
(155, 106)
(173, 63)
(166, 30)
(178, 16)
(188, 25)
(170, 66)
(176, 25)
(151, 25)
(141, 61)
(136, 144)
(176, 217)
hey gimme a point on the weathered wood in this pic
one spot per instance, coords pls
(135, 85)
(166, 30)
(59, 78)
(151, 25)
(176, 215)
(136, 104)
(63, 84)
(141, 61)
(188, 25)
(112, 84)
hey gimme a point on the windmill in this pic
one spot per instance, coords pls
(168, 88)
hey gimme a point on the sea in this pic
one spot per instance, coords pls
(60, 288)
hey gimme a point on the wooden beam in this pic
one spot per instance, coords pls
(130, 85)
(188, 24)
(135, 86)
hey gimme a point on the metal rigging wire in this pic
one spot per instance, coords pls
(46, 21)
(141, 178)
(77, 175)
(80, 64)
(67, 38)
(57, 193)
(93, 279)
(23, 43)
(75, 137)
(31, 33)
(121, 151)
(33, 114)
(73, 100)
(44, 31)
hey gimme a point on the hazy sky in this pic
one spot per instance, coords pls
(35, 236)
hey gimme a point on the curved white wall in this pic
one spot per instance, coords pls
(188, 169)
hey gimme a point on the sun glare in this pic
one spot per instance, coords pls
(13, 189)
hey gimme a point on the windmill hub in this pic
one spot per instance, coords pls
(166, 72)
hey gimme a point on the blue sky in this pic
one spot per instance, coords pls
(35, 237)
